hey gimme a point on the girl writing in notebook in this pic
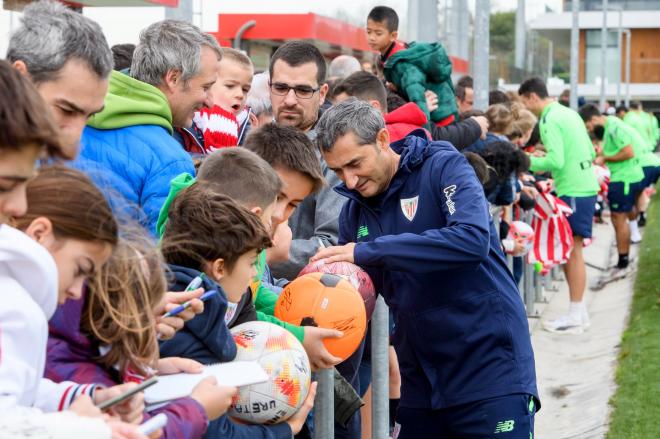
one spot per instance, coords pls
(110, 336)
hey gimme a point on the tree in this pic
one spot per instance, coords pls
(502, 32)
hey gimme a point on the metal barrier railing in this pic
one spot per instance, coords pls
(380, 370)
(532, 284)
(324, 416)
(324, 405)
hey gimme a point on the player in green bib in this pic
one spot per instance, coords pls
(569, 158)
(639, 120)
(621, 150)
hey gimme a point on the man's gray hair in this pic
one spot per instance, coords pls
(343, 66)
(170, 45)
(259, 96)
(52, 34)
(351, 116)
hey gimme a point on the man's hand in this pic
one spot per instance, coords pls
(431, 100)
(538, 153)
(336, 254)
(130, 410)
(171, 365)
(319, 357)
(483, 124)
(600, 160)
(167, 327)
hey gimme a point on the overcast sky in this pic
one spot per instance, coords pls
(360, 8)
(122, 25)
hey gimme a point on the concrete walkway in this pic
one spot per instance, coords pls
(576, 372)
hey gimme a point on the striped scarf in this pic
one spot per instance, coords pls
(219, 127)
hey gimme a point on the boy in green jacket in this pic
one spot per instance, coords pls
(415, 68)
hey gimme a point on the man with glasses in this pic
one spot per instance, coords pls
(297, 84)
(297, 91)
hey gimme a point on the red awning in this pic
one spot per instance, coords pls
(284, 27)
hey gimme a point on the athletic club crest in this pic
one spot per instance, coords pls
(409, 207)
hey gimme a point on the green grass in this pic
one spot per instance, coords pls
(636, 404)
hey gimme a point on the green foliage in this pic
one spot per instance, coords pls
(635, 404)
(502, 32)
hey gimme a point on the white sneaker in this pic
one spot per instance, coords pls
(564, 325)
(620, 273)
(636, 238)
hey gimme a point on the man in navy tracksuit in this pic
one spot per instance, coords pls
(417, 221)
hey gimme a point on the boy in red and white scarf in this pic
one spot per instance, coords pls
(224, 124)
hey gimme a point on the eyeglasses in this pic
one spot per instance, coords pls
(301, 91)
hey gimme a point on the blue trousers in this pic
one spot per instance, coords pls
(505, 417)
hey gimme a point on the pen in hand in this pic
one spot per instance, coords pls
(204, 297)
(193, 285)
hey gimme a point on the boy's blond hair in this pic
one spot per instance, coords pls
(237, 56)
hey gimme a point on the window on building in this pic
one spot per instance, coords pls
(593, 61)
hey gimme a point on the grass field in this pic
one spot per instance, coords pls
(636, 404)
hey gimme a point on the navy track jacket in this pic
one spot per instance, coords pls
(429, 244)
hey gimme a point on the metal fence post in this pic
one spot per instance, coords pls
(538, 288)
(528, 275)
(380, 372)
(480, 68)
(530, 293)
(324, 405)
(575, 55)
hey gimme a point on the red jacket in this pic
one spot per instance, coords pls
(404, 120)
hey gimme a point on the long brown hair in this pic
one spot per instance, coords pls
(76, 208)
(119, 309)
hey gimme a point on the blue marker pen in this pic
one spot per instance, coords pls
(187, 304)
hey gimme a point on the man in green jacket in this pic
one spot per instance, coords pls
(569, 156)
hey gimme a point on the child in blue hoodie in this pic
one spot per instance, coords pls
(208, 233)
(417, 221)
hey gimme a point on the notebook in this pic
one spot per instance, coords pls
(235, 373)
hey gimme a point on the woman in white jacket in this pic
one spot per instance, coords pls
(29, 282)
